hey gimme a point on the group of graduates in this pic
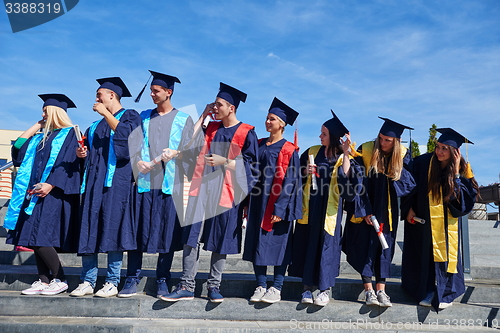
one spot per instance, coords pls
(120, 188)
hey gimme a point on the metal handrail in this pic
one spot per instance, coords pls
(6, 166)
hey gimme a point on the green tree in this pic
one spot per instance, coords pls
(415, 151)
(431, 144)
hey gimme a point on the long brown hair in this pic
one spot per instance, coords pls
(394, 163)
(448, 174)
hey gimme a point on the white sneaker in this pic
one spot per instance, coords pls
(272, 295)
(55, 287)
(108, 290)
(307, 297)
(322, 299)
(427, 301)
(383, 299)
(371, 298)
(36, 288)
(258, 293)
(444, 305)
(83, 289)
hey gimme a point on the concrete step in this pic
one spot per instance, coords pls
(32, 324)
(348, 287)
(239, 309)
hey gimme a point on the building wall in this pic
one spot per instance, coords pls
(6, 138)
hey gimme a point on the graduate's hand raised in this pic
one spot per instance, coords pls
(214, 160)
(367, 219)
(346, 143)
(457, 157)
(168, 154)
(100, 108)
(209, 109)
(144, 167)
(81, 152)
(43, 189)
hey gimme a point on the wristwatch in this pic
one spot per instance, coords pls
(226, 163)
(457, 175)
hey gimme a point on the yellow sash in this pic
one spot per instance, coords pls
(444, 251)
(333, 196)
(367, 153)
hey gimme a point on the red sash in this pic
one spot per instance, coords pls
(227, 195)
(279, 175)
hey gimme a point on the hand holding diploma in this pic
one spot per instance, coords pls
(312, 171)
(378, 230)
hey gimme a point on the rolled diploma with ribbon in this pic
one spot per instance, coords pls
(156, 160)
(78, 134)
(206, 121)
(380, 235)
(313, 175)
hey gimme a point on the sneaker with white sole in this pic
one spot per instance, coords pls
(383, 299)
(322, 299)
(55, 287)
(83, 289)
(371, 298)
(444, 305)
(129, 289)
(258, 294)
(307, 297)
(427, 301)
(36, 288)
(108, 290)
(272, 295)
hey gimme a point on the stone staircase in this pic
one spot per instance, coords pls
(475, 311)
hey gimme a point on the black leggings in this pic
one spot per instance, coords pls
(368, 279)
(48, 264)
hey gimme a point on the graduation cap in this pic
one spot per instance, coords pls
(58, 100)
(231, 95)
(451, 137)
(159, 79)
(335, 126)
(114, 84)
(392, 128)
(286, 113)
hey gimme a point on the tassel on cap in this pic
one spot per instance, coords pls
(138, 98)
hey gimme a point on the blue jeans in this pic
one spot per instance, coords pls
(89, 268)
(279, 276)
(163, 265)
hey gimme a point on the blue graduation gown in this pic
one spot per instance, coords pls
(107, 214)
(222, 232)
(159, 230)
(419, 273)
(54, 221)
(360, 241)
(315, 253)
(273, 248)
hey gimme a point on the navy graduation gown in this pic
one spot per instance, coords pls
(54, 221)
(315, 253)
(273, 248)
(360, 241)
(159, 230)
(107, 213)
(221, 232)
(420, 274)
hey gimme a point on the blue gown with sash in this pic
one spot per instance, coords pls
(54, 220)
(360, 241)
(316, 253)
(273, 248)
(107, 213)
(159, 230)
(222, 233)
(419, 273)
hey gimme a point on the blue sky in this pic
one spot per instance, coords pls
(416, 62)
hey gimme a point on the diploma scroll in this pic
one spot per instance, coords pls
(156, 160)
(380, 235)
(417, 220)
(313, 175)
(78, 134)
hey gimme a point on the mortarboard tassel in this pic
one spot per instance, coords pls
(138, 98)
(296, 137)
(468, 169)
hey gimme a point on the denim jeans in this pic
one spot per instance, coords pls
(89, 268)
(279, 276)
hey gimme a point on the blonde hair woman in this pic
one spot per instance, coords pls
(386, 180)
(43, 211)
